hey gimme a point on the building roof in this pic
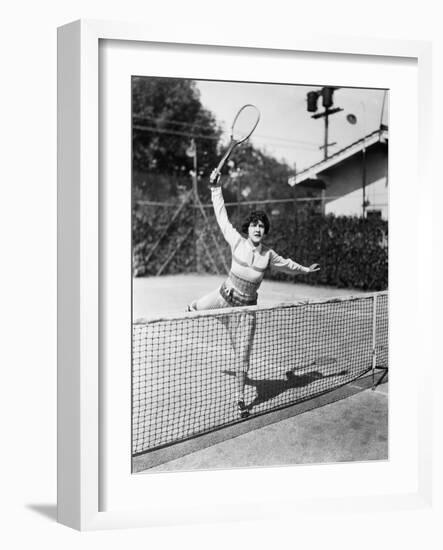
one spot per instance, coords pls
(377, 136)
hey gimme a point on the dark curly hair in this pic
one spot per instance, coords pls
(255, 216)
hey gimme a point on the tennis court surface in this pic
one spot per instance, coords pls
(346, 425)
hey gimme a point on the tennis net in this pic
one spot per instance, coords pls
(183, 367)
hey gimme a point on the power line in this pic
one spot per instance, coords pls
(172, 132)
(201, 136)
(256, 202)
(176, 122)
(274, 139)
(287, 140)
(299, 147)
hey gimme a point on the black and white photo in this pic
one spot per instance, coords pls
(260, 274)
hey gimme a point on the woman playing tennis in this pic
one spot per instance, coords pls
(250, 260)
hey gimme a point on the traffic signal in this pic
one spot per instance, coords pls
(327, 93)
(312, 102)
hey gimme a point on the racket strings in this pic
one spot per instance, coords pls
(245, 123)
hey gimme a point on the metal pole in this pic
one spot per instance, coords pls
(195, 188)
(364, 178)
(199, 205)
(194, 176)
(326, 134)
(374, 340)
(383, 108)
(365, 126)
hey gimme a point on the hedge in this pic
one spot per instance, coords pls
(351, 251)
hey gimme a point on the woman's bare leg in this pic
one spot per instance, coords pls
(242, 339)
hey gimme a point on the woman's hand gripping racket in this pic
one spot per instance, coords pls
(243, 125)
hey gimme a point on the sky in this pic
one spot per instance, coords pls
(286, 130)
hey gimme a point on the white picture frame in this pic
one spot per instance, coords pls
(80, 445)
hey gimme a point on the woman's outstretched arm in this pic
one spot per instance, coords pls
(289, 266)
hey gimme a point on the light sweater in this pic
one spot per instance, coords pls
(249, 262)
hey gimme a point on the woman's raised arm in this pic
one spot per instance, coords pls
(230, 234)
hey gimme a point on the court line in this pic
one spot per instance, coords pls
(363, 388)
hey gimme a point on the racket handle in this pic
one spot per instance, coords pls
(225, 157)
(214, 178)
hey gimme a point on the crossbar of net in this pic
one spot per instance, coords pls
(183, 369)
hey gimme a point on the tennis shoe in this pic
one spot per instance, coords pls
(242, 409)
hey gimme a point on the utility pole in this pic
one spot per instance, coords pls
(326, 93)
(352, 119)
(191, 151)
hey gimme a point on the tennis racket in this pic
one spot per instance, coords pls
(244, 123)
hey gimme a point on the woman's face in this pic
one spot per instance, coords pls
(256, 231)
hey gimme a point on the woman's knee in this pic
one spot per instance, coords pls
(213, 300)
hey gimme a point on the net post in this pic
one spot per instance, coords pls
(374, 339)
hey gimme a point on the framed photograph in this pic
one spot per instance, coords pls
(229, 307)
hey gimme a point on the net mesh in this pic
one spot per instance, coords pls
(183, 368)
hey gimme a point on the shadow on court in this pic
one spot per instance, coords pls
(344, 425)
(269, 389)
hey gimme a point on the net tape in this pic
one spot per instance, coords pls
(183, 368)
